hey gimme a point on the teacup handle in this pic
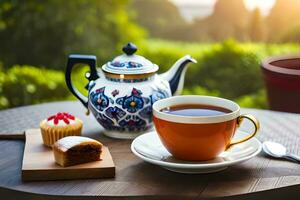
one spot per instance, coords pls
(239, 121)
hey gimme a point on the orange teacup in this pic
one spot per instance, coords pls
(196, 137)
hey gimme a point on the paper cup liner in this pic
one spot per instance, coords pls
(51, 134)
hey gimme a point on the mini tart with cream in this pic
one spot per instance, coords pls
(58, 126)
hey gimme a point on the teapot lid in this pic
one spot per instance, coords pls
(129, 63)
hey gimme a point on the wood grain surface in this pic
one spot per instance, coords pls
(39, 164)
(260, 177)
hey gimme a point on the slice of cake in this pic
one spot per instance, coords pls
(73, 150)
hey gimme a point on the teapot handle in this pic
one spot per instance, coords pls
(93, 75)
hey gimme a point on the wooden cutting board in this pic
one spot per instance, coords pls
(39, 164)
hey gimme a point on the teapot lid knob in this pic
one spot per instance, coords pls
(129, 49)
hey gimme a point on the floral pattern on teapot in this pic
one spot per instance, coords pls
(127, 65)
(124, 113)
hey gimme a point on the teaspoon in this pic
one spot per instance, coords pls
(277, 150)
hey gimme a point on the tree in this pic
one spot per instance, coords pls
(284, 15)
(257, 30)
(160, 17)
(229, 20)
(44, 32)
(291, 35)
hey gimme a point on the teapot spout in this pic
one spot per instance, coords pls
(175, 75)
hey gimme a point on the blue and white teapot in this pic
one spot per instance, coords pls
(122, 93)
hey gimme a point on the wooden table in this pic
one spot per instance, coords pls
(257, 178)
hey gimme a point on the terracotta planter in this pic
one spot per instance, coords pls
(282, 79)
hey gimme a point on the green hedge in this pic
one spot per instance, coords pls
(227, 69)
(24, 85)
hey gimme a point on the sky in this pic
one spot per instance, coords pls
(202, 8)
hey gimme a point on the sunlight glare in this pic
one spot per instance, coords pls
(263, 5)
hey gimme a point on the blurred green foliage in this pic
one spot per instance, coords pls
(227, 69)
(254, 100)
(45, 32)
(24, 85)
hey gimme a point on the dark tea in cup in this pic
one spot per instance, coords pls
(195, 110)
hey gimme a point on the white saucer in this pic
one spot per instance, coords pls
(149, 148)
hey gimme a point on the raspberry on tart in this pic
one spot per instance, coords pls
(64, 116)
